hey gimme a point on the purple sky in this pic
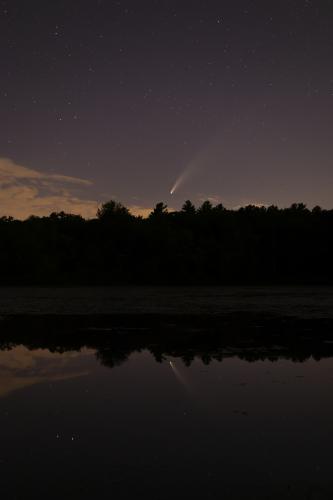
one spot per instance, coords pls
(128, 95)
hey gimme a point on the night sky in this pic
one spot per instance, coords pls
(104, 99)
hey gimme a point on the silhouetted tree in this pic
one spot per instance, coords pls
(219, 208)
(112, 210)
(298, 207)
(160, 210)
(188, 208)
(208, 245)
(205, 208)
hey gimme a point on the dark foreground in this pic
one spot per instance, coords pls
(234, 405)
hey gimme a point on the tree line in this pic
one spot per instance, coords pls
(246, 337)
(205, 245)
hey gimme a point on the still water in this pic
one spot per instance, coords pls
(74, 424)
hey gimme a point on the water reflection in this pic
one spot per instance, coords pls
(112, 350)
(192, 414)
(26, 360)
(21, 367)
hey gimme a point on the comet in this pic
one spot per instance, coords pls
(178, 375)
(178, 182)
(199, 162)
(182, 177)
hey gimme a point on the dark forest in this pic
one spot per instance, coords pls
(208, 245)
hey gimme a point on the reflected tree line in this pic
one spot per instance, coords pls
(253, 339)
(195, 245)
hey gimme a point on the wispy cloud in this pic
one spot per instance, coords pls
(21, 367)
(231, 204)
(246, 203)
(213, 198)
(139, 210)
(25, 191)
(144, 212)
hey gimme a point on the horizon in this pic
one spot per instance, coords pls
(144, 213)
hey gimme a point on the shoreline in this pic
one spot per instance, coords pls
(281, 301)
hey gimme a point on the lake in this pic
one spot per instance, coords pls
(158, 419)
(305, 301)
